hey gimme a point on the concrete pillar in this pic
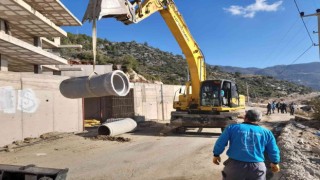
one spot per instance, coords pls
(37, 42)
(57, 40)
(3, 63)
(37, 69)
(4, 27)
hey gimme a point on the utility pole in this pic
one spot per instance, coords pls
(247, 92)
(318, 15)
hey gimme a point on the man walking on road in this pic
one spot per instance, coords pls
(247, 143)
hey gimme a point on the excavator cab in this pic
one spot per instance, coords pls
(219, 93)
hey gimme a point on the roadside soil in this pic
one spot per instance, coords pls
(142, 154)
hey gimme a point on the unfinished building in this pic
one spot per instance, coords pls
(30, 101)
(31, 71)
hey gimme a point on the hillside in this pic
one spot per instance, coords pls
(307, 74)
(168, 68)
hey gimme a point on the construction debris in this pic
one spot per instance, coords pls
(110, 138)
(300, 152)
(91, 123)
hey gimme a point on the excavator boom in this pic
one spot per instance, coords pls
(202, 104)
(128, 12)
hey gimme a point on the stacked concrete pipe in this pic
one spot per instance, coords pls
(117, 127)
(114, 83)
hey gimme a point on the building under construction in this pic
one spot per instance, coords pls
(31, 72)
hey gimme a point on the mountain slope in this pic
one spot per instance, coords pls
(155, 64)
(307, 74)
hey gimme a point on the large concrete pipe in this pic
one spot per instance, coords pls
(115, 83)
(117, 127)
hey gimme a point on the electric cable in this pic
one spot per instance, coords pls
(285, 68)
(281, 40)
(287, 46)
(295, 2)
(290, 50)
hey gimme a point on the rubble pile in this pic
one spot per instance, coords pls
(110, 138)
(300, 151)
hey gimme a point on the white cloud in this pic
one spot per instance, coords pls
(251, 10)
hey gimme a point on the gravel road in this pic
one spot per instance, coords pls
(146, 156)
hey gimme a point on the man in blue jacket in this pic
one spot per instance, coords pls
(247, 143)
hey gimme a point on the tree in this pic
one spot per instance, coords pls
(216, 68)
(128, 62)
(316, 104)
(237, 74)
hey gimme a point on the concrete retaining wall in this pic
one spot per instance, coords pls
(31, 105)
(86, 70)
(154, 101)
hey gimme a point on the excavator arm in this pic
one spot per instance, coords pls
(138, 10)
(211, 109)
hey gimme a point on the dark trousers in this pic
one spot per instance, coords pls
(269, 111)
(238, 170)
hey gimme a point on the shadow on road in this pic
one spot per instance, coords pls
(89, 132)
(153, 128)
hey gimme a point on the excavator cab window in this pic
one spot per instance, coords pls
(226, 97)
(231, 95)
(210, 93)
(235, 95)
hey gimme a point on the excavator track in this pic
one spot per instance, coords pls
(183, 120)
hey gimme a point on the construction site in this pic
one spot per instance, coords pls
(62, 120)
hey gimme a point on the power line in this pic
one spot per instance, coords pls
(275, 49)
(301, 14)
(280, 51)
(286, 52)
(296, 59)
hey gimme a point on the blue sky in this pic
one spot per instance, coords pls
(241, 33)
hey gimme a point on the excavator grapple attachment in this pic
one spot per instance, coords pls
(122, 10)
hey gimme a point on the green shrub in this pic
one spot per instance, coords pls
(316, 107)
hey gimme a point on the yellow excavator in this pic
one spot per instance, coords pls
(201, 103)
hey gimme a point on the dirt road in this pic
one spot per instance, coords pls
(146, 156)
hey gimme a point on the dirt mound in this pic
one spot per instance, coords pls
(28, 141)
(300, 151)
(110, 138)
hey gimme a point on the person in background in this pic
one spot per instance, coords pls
(292, 108)
(278, 106)
(273, 106)
(284, 107)
(247, 143)
(269, 106)
(222, 97)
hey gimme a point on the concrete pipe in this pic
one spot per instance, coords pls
(117, 127)
(115, 83)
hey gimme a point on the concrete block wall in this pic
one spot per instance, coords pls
(87, 70)
(31, 105)
(154, 101)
